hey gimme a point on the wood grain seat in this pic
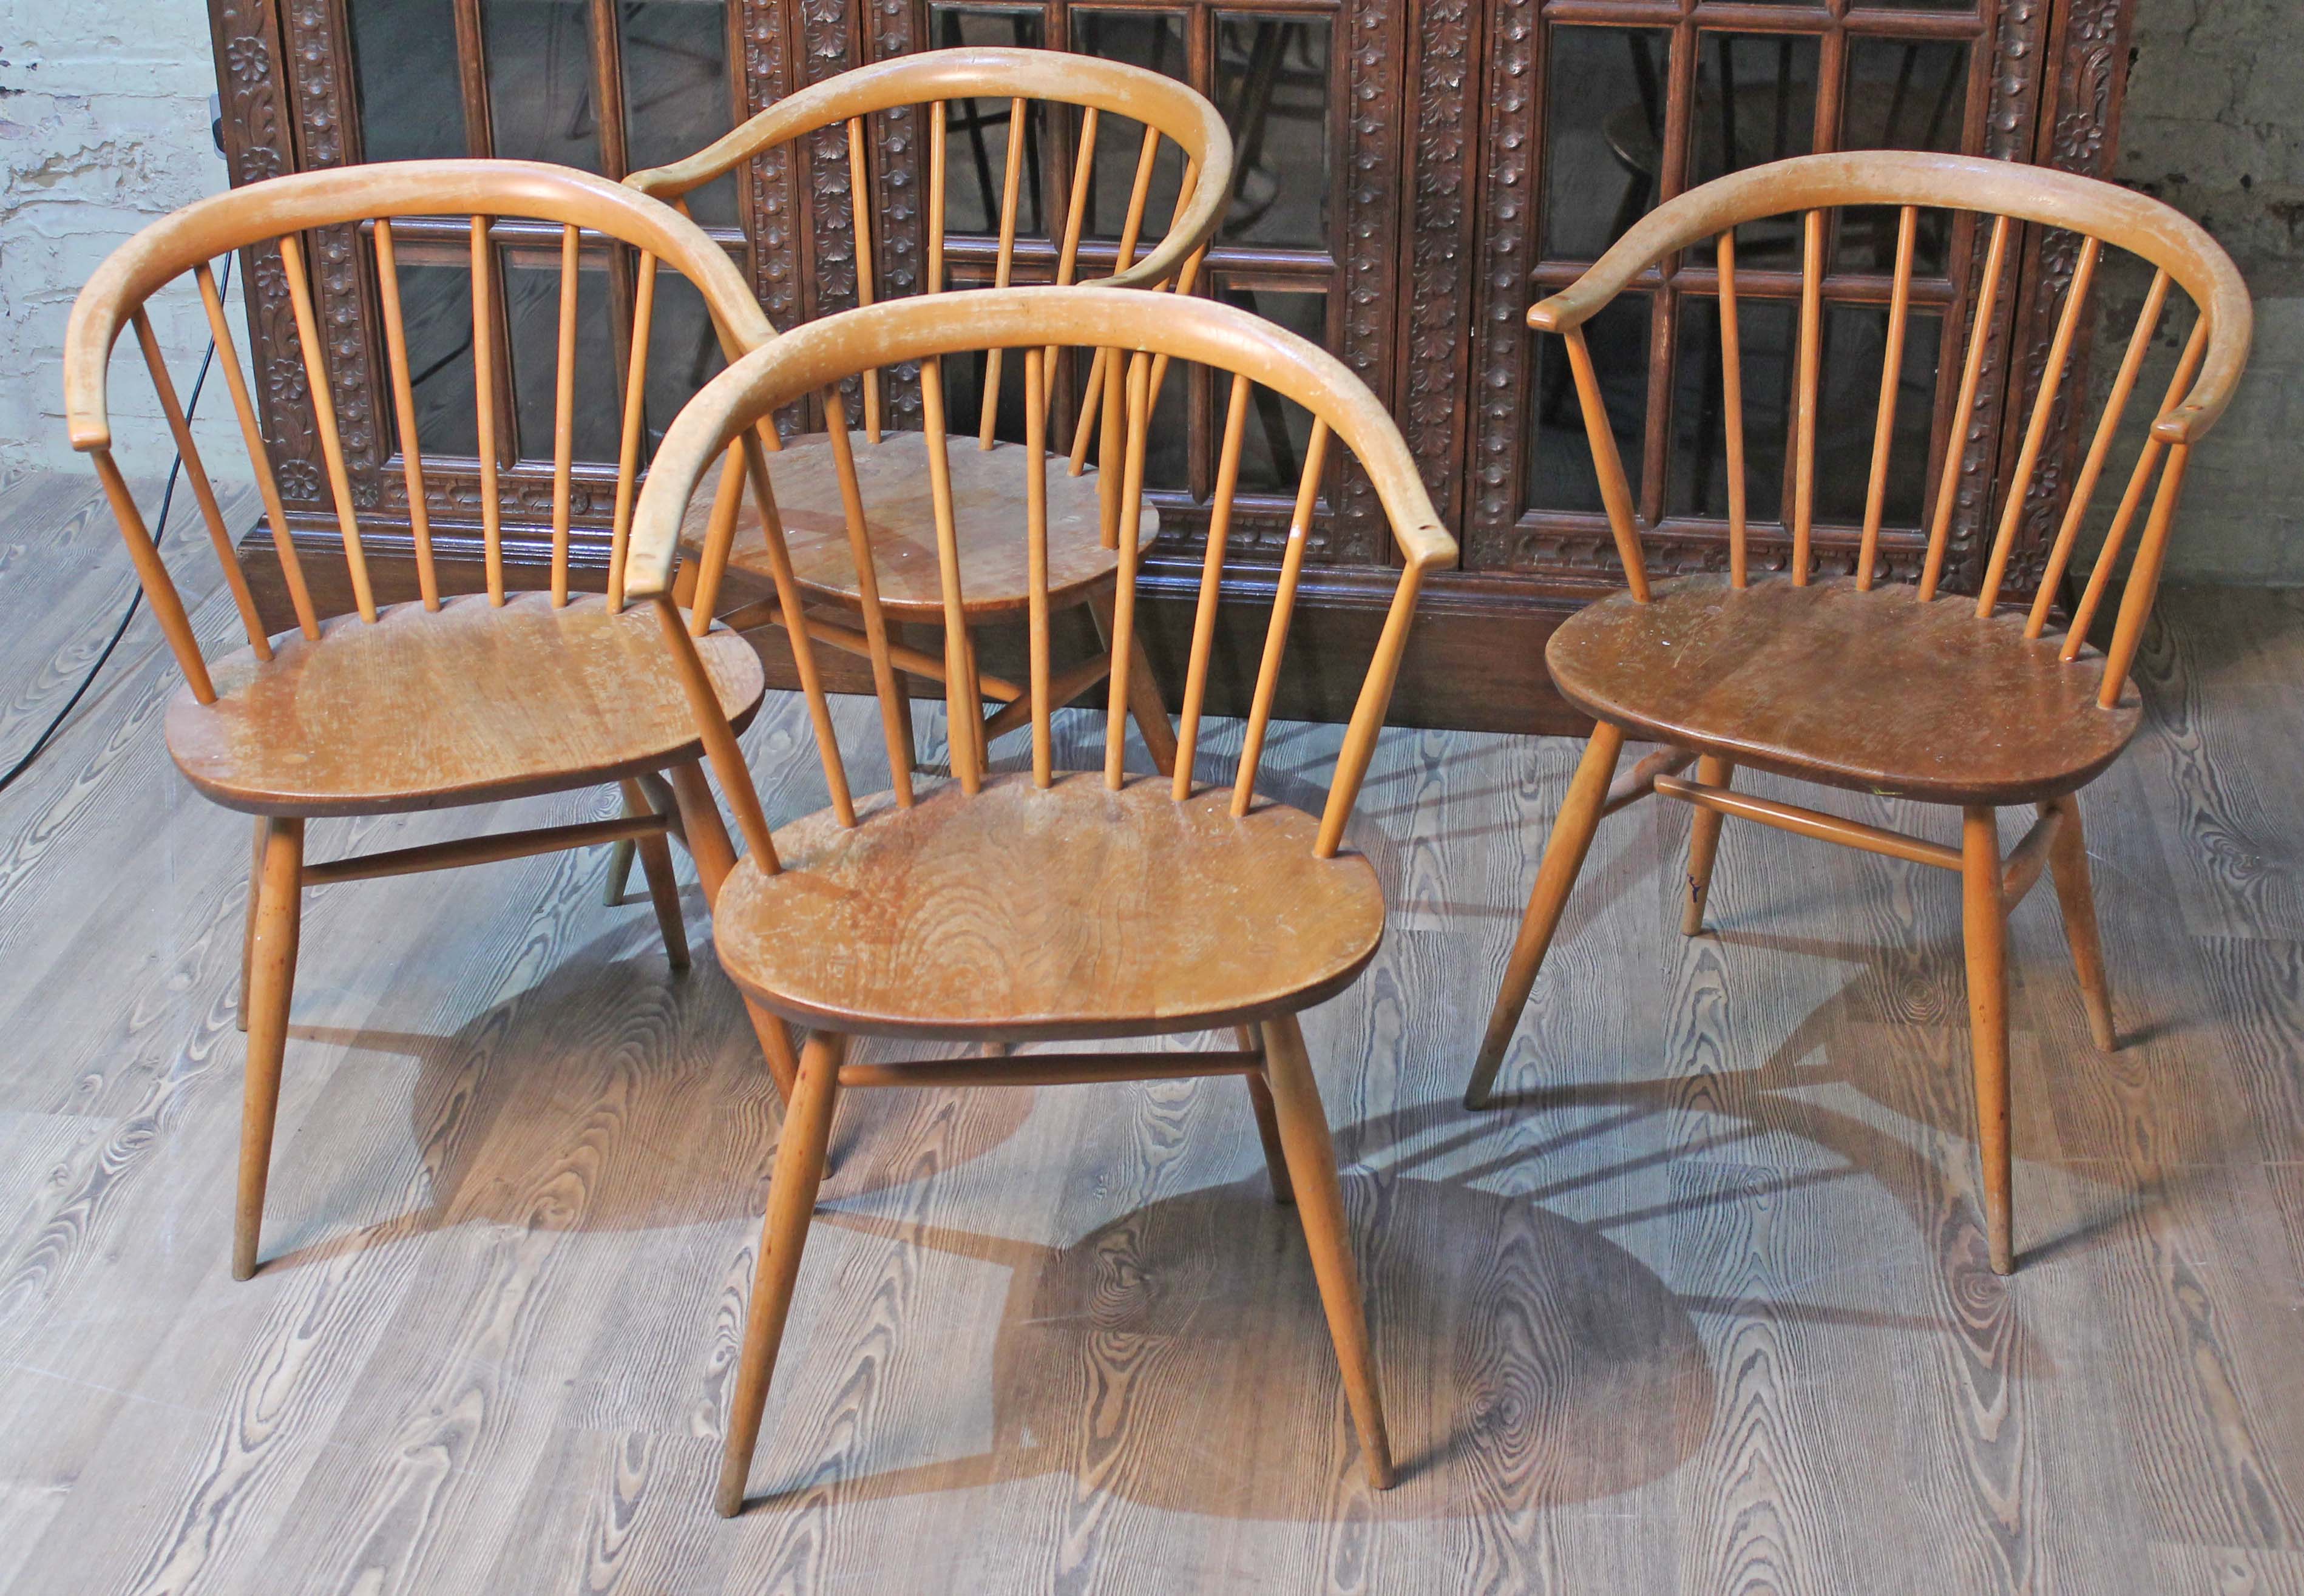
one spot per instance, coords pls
(414, 712)
(1072, 911)
(1871, 690)
(987, 490)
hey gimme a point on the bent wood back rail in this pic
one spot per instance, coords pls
(435, 703)
(1028, 907)
(1888, 690)
(816, 481)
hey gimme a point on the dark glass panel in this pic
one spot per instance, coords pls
(404, 68)
(1855, 337)
(1755, 101)
(1902, 93)
(1153, 40)
(1604, 137)
(532, 297)
(1767, 333)
(683, 351)
(437, 304)
(1272, 83)
(1560, 470)
(977, 132)
(676, 93)
(1278, 429)
(540, 97)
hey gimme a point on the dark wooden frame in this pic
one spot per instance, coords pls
(1435, 157)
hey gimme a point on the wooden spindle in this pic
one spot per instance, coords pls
(2115, 537)
(935, 197)
(159, 587)
(323, 420)
(1731, 405)
(789, 599)
(2036, 430)
(963, 711)
(859, 192)
(1616, 492)
(1035, 561)
(989, 409)
(719, 538)
(1204, 619)
(1892, 372)
(628, 451)
(1187, 274)
(260, 457)
(1368, 714)
(1963, 411)
(403, 409)
(720, 747)
(564, 417)
(1123, 592)
(483, 405)
(2143, 579)
(895, 724)
(1811, 374)
(1131, 227)
(1075, 216)
(1283, 606)
(2140, 343)
(211, 514)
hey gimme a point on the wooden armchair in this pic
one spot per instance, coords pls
(1028, 908)
(1886, 689)
(814, 485)
(425, 705)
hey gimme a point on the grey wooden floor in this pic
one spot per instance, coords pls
(1706, 1309)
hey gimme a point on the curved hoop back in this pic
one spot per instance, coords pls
(2180, 253)
(284, 209)
(1162, 106)
(816, 358)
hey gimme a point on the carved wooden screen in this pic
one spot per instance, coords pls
(1411, 179)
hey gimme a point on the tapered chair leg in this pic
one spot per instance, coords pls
(1267, 1123)
(792, 1201)
(1303, 1126)
(1984, 924)
(664, 887)
(1703, 844)
(2068, 867)
(621, 854)
(271, 977)
(715, 856)
(1563, 857)
(248, 932)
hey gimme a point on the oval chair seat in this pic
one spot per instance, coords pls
(1072, 912)
(987, 493)
(1871, 690)
(422, 709)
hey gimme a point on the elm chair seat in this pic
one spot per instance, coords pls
(987, 491)
(1035, 914)
(413, 712)
(1870, 690)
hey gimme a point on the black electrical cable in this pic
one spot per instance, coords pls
(136, 599)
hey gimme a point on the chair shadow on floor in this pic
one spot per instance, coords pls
(646, 1086)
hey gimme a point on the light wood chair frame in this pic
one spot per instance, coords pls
(2182, 255)
(1167, 109)
(815, 360)
(670, 802)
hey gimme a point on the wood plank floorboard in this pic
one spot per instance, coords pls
(1704, 1308)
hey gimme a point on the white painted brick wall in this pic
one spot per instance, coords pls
(104, 126)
